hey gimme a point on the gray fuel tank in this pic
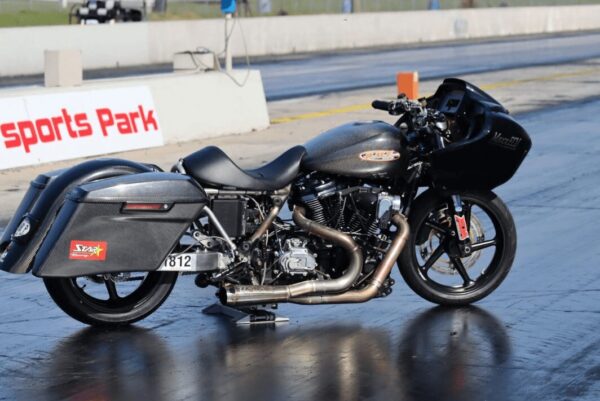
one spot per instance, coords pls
(366, 149)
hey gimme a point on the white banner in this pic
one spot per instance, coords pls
(44, 128)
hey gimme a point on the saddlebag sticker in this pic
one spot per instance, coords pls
(380, 155)
(88, 250)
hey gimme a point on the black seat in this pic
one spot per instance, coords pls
(212, 166)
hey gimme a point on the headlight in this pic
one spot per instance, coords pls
(23, 228)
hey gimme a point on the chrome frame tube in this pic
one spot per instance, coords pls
(269, 219)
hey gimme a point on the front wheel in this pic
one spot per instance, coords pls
(111, 299)
(443, 270)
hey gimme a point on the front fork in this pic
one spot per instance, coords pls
(460, 218)
(460, 222)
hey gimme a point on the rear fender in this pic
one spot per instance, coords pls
(42, 202)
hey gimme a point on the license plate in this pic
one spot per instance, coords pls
(185, 262)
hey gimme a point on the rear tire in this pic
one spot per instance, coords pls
(417, 275)
(116, 310)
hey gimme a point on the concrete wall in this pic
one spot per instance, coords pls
(194, 106)
(104, 46)
(189, 105)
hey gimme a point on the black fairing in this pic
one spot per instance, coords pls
(338, 151)
(134, 240)
(43, 200)
(493, 144)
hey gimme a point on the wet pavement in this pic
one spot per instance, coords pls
(536, 338)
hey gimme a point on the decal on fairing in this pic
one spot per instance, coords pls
(380, 155)
(505, 142)
(88, 250)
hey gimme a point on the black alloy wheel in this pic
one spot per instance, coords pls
(441, 269)
(111, 299)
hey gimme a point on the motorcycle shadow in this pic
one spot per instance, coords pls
(441, 354)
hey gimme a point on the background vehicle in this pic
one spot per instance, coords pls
(100, 12)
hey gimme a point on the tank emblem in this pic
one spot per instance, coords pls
(380, 156)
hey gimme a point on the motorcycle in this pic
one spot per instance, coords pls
(110, 237)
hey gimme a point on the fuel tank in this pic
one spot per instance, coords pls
(364, 149)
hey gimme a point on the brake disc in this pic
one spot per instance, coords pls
(443, 264)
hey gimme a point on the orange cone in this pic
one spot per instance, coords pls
(408, 83)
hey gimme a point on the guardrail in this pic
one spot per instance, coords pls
(106, 46)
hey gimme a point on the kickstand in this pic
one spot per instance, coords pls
(245, 315)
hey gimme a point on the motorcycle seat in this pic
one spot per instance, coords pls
(213, 167)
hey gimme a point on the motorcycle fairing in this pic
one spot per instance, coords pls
(494, 144)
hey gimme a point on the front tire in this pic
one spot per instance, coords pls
(429, 263)
(96, 300)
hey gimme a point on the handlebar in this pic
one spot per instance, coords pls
(399, 106)
(382, 105)
(423, 122)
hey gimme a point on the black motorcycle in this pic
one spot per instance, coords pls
(110, 237)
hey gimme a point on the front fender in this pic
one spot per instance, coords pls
(42, 202)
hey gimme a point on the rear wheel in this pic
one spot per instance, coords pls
(111, 299)
(432, 263)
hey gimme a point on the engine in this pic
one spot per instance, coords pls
(287, 254)
(297, 258)
(339, 205)
(347, 206)
(358, 210)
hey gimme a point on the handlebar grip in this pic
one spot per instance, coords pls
(381, 105)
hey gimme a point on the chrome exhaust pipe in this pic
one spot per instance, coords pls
(269, 219)
(264, 294)
(381, 273)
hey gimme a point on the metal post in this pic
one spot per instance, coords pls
(228, 57)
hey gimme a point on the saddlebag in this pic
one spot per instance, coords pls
(127, 223)
(35, 215)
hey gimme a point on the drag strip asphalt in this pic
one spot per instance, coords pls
(536, 338)
(291, 77)
(486, 87)
(348, 71)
